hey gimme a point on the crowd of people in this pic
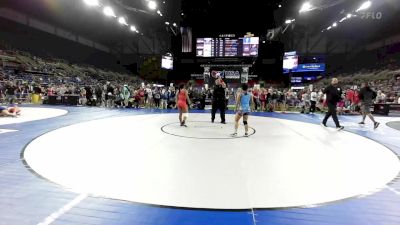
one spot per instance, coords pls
(32, 79)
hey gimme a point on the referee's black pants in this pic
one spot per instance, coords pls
(331, 112)
(218, 106)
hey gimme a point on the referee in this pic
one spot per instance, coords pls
(219, 100)
(333, 95)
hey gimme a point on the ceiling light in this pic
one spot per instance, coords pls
(92, 2)
(306, 7)
(364, 6)
(122, 21)
(152, 5)
(108, 11)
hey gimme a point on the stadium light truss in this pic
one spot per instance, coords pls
(108, 11)
(364, 6)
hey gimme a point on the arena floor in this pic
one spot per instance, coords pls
(82, 165)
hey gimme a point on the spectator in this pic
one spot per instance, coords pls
(10, 91)
(157, 98)
(367, 97)
(333, 96)
(164, 98)
(110, 95)
(126, 94)
(313, 101)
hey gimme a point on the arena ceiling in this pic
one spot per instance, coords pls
(213, 17)
(90, 22)
(367, 26)
(225, 16)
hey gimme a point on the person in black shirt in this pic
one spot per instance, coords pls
(333, 96)
(218, 101)
(99, 95)
(109, 97)
(203, 99)
(37, 90)
(89, 95)
(10, 93)
(367, 97)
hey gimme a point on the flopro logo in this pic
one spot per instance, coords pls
(371, 15)
(232, 74)
(226, 74)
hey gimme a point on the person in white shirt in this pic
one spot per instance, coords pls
(305, 101)
(149, 100)
(63, 89)
(314, 100)
(398, 101)
(381, 97)
(164, 99)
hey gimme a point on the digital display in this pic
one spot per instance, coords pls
(290, 62)
(227, 47)
(231, 47)
(167, 62)
(297, 80)
(310, 67)
(250, 46)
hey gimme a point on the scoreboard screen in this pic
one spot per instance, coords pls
(227, 47)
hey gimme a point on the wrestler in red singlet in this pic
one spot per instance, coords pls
(182, 101)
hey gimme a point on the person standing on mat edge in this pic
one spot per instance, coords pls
(333, 95)
(183, 102)
(244, 105)
(367, 97)
(219, 100)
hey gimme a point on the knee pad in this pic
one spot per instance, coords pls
(245, 122)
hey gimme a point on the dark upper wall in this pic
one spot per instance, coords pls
(43, 44)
